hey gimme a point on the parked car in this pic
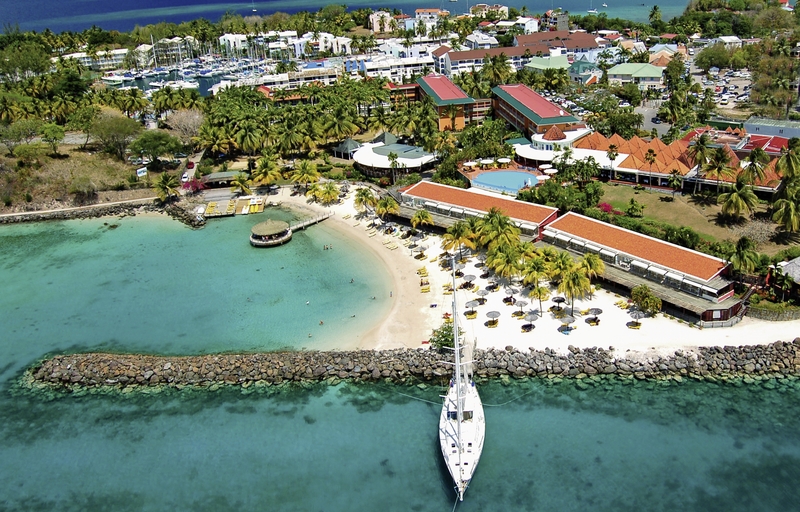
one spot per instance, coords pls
(185, 177)
(656, 120)
(180, 155)
(190, 165)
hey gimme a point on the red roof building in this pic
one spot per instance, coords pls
(461, 203)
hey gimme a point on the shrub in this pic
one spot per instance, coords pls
(605, 207)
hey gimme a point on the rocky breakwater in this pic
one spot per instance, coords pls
(777, 360)
(113, 210)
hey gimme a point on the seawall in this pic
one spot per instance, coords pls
(110, 210)
(93, 370)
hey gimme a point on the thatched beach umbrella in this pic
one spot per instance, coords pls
(482, 294)
(567, 319)
(637, 315)
(595, 311)
(471, 304)
(521, 304)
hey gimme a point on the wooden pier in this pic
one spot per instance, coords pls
(308, 222)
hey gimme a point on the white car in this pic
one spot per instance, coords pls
(185, 177)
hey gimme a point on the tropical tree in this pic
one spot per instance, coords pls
(739, 201)
(593, 265)
(457, 236)
(719, 165)
(755, 170)
(386, 205)
(504, 260)
(574, 283)
(650, 158)
(305, 173)
(241, 184)
(787, 214)
(675, 181)
(744, 258)
(167, 186)
(644, 300)
(421, 217)
(612, 153)
(267, 171)
(700, 150)
(365, 199)
(329, 193)
(497, 229)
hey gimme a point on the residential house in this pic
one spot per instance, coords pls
(731, 42)
(646, 76)
(380, 22)
(483, 10)
(480, 41)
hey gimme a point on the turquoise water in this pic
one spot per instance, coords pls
(505, 181)
(694, 447)
(153, 285)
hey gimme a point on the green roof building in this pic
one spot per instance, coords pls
(542, 63)
(646, 76)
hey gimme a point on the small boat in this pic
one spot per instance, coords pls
(462, 424)
(113, 78)
(592, 11)
(605, 5)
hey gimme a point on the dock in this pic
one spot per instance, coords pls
(309, 222)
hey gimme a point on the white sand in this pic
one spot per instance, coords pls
(411, 319)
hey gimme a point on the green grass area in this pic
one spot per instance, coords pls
(681, 212)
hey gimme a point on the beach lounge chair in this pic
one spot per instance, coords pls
(425, 289)
(345, 217)
(356, 224)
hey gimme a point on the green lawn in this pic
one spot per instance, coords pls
(681, 212)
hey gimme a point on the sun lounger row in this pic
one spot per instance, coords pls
(425, 289)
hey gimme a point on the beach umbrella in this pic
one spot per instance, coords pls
(559, 300)
(567, 319)
(471, 304)
(521, 304)
(510, 290)
(469, 278)
(637, 315)
(531, 317)
(482, 294)
(504, 160)
(493, 314)
(595, 311)
(550, 171)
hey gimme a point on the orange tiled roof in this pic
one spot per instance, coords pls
(519, 210)
(554, 133)
(671, 256)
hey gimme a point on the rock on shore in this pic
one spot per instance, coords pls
(777, 360)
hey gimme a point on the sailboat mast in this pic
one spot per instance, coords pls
(457, 365)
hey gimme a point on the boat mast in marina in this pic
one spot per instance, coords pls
(462, 425)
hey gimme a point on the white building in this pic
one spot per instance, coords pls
(380, 21)
(481, 10)
(479, 40)
(731, 42)
(101, 61)
(528, 25)
(394, 69)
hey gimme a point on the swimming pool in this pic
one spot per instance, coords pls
(504, 181)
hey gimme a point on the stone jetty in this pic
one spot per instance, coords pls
(113, 210)
(93, 370)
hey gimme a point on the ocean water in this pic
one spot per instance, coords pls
(125, 14)
(151, 285)
(692, 447)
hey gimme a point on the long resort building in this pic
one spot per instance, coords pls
(691, 284)
(448, 205)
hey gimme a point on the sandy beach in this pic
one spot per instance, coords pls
(411, 319)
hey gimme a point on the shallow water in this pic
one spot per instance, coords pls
(612, 447)
(152, 285)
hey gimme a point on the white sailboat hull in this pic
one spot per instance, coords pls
(462, 458)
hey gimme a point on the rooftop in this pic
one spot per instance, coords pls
(443, 91)
(533, 105)
(517, 210)
(637, 70)
(670, 256)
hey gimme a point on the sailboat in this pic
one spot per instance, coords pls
(591, 10)
(462, 424)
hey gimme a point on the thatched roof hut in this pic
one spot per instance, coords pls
(270, 227)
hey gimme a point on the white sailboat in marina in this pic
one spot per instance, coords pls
(462, 424)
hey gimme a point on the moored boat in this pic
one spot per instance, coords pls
(462, 424)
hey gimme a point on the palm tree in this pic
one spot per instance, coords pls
(787, 214)
(167, 186)
(755, 171)
(559, 265)
(539, 292)
(675, 181)
(650, 158)
(314, 191)
(241, 183)
(497, 229)
(458, 235)
(739, 200)
(306, 172)
(365, 199)
(789, 164)
(719, 165)
(700, 150)
(574, 283)
(496, 69)
(394, 165)
(744, 258)
(386, 206)
(612, 153)
(421, 217)
(267, 171)
(593, 265)
(329, 193)
(504, 259)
